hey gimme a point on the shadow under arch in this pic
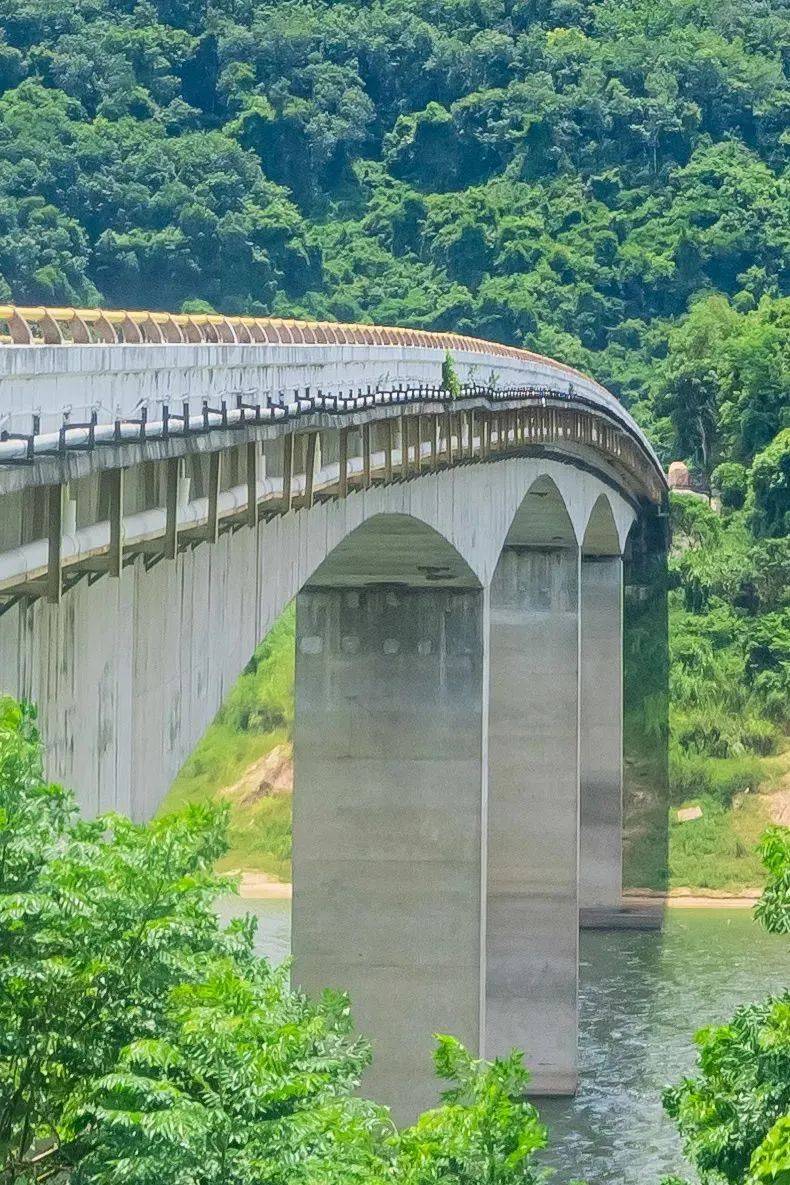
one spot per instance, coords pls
(542, 518)
(394, 549)
(601, 536)
(646, 705)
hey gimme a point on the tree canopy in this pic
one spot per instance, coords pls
(734, 1115)
(604, 182)
(142, 1042)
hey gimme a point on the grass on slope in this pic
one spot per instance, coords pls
(718, 851)
(714, 852)
(257, 715)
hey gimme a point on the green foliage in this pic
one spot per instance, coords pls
(140, 1042)
(726, 380)
(770, 1163)
(256, 716)
(485, 1133)
(732, 482)
(250, 1083)
(742, 1090)
(773, 909)
(720, 850)
(771, 481)
(262, 699)
(98, 921)
(734, 1115)
(450, 380)
(601, 181)
(729, 651)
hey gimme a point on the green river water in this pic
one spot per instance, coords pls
(642, 997)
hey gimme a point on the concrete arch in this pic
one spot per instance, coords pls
(542, 518)
(601, 536)
(607, 527)
(572, 491)
(150, 657)
(394, 549)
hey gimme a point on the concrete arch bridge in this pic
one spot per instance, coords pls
(455, 537)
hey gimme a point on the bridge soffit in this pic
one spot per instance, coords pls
(609, 521)
(553, 504)
(451, 530)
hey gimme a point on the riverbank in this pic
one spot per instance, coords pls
(259, 886)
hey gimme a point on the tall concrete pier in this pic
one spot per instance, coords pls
(387, 880)
(533, 831)
(457, 560)
(601, 740)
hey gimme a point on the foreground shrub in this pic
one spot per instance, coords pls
(734, 1116)
(143, 1044)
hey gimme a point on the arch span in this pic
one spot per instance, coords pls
(398, 549)
(129, 672)
(607, 527)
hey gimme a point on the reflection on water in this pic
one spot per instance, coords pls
(642, 997)
(274, 924)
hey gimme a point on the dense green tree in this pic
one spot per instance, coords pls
(734, 1115)
(731, 479)
(543, 172)
(142, 1042)
(771, 481)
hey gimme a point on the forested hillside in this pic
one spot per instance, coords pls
(567, 175)
(555, 172)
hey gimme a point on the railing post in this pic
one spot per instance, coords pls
(309, 476)
(342, 460)
(115, 559)
(253, 453)
(288, 467)
(171, 508)
(55, 544)
(390, 439)
(366, 456)
(448, 420)
(214, 468)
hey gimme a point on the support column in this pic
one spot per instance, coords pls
(388, 820)
(601, 746)
(533, 789)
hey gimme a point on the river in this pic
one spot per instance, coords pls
(642, 997)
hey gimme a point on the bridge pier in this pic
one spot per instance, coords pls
(601, 880)
(601, 741)
(388, 820)
(533, 813)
